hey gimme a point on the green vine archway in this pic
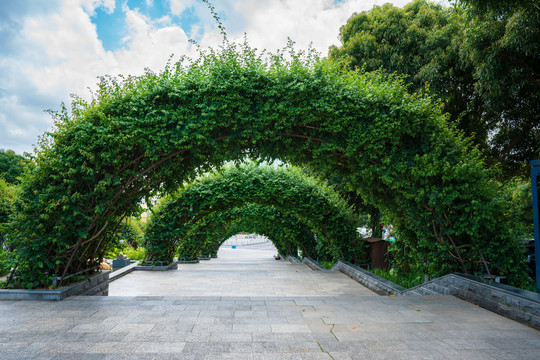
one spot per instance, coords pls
(289, 190)
(149, 134)
(285, 230)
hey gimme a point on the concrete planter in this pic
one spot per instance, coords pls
(181, 261)
(120, 263)
(95, 285)
(171, 266)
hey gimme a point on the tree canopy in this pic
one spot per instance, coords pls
(11, 165)
(502, 42)
(483, 65)
(8, 194)
(418, 41)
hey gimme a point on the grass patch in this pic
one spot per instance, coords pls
(131, 253)
(407, 280)
(327, 264)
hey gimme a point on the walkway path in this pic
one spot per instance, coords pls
(246, 305)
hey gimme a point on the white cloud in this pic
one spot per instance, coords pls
(58, 52)
(149, 46)
(316, 22)
(178, 6)
(91, 5)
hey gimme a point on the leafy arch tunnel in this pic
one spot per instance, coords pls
(285, 193)
(286, 231)
(145, 135)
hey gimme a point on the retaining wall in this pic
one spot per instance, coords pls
(508, 301)
(293, 260)
(313, 264)
(171, 266)
(95, 285)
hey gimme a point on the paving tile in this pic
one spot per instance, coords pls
(469, 354)
(231, 356)
(161, 347)
(113, 347)
(251, 328)
(231, 337)
(89, 328)
(206, 348)
(515, 354)
(469, 344)
(132, 328)
(290, 328)
(385, 345)
(276, 355)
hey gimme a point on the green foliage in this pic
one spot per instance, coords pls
(287, 189)
(129, 237)
(135, 254)
(327, 264)
(502, 42)
(517, 197)
(481, 61)
(130, 232)
(4, 267)
(150, 134)
(8, 196)
(417, 41)
(407, 280)
(12, 165)
(130, 252)
(499, 6)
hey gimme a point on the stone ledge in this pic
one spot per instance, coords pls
(171, 266)
(196, 261)
(371, 281)
(117, 274)
(97, 284)
(293, 259)
(313, 264)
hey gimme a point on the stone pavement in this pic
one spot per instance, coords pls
(246, 305)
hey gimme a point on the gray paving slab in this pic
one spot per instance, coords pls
(246, 305)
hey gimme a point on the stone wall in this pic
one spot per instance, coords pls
(508, 301)
(313, 264)
(293, 260)
(95, 285)
(371, 281)
(171, 266)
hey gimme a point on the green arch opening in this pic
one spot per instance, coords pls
(286, 189)
(288, 233)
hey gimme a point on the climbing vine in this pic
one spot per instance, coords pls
(144, 135)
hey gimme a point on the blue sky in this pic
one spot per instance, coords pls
(112, 26)
(50, 49)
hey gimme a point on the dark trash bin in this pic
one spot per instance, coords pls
(377, 252)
